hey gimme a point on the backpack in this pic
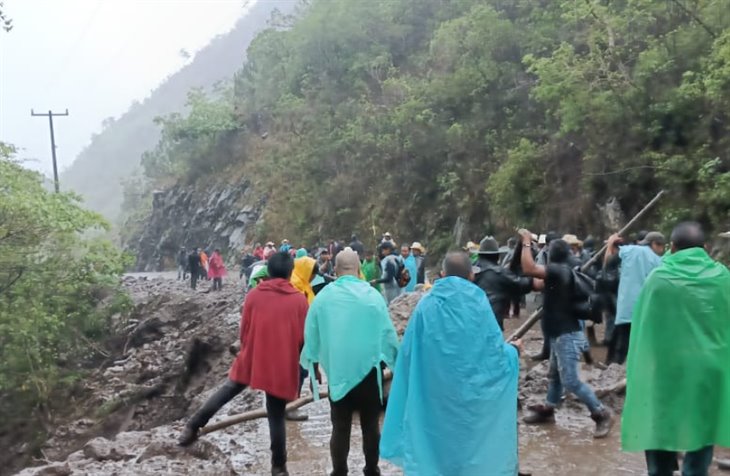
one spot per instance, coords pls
(402, 275)
(585, 299)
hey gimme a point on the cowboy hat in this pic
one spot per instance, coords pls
(572, 240)
(471, 246)
(418, 246)
(489, 246)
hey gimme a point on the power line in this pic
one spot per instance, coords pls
(51, 115)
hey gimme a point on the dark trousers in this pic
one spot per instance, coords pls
(193, 279)
(275, 409)
(365, 400)
(545, 339)
(664, 463)
(618, 347)
(217, 284)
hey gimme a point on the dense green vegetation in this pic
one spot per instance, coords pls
(430, 115)
(58, 291)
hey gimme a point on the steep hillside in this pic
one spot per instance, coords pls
(113, 154)
(441, 120)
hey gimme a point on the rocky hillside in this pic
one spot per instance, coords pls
(217, 216)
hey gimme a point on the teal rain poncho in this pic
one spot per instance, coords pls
(452, 409)
(412, 267)
(349, 333)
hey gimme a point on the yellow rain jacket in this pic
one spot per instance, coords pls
(301, 277)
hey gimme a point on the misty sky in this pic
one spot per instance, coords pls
(93, 57)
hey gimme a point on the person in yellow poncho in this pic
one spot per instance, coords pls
(301, 278)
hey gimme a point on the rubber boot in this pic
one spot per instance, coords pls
(188, 436)
(540, 414)
(604, 422)
(279, 471)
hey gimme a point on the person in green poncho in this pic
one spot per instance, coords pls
(678, 370)
(370, 268)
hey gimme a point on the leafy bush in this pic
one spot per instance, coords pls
(57, 289)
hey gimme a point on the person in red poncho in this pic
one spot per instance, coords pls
(216, 270)
(272, 335)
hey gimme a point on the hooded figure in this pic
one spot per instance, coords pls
(678, 368)
(467, 430)
(301, 278)
(349, 333)
(301, 253)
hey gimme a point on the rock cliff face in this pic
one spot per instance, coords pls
(218, 216)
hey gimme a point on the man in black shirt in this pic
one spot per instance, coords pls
(501, 285)
(566, 338)
(194, 266)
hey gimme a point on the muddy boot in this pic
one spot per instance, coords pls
(188, 436)
(604, 423)
(539, 357)
(234, 348)
(723, 464)
(296, 415)
(279, 471)
(540, 414)
(371, 472)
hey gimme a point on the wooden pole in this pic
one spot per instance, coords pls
(537, 315)
(261, 413)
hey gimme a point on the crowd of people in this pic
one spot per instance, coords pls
(200, 266)
(452, 408)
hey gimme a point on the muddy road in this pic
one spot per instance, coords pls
(173, 354)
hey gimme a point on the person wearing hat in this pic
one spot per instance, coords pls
(636, 263)
(578, 255)
(387, 238)
(390, 264)
(500, 284)
(418, 252)
(472, 250)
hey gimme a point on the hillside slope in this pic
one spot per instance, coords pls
(114, 154)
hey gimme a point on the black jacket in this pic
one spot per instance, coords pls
(501, 285)
(358, 248)
(194, 262)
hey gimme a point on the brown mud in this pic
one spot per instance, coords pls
(173, 353)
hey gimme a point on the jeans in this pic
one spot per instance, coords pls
(275, 409)
(565, 355)
(664, 463)
(364, 399)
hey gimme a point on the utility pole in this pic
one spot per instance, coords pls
(50, 115)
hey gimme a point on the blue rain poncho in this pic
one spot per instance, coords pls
(452, 409)
(349, 333)
(412, 266)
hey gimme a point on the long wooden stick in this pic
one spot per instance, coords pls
(537, 315)
(261, 413)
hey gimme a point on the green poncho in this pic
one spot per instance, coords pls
(349, 333)
(678, 371)
(371, 271)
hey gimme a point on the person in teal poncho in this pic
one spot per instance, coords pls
(678, 368)
(349, 333)
(411, 265)
(452, 409)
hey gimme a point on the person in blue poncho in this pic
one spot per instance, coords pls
(409, 260)
(349, 333)
(434, 427)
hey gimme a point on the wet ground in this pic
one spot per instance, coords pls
(565, 448)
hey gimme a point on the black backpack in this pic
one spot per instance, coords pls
(402, 275)
(585, 298)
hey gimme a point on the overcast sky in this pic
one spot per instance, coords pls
(93, 57)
